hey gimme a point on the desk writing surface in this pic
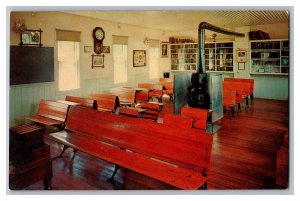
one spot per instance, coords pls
(44, 120)
(68, 102)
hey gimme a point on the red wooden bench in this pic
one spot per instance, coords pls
(179, 157)
(249, 87)
(86, 102)
(105, 102)
(50, 113)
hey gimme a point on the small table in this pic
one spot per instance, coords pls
(29, 157)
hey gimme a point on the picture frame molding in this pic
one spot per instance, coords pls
(24, 36)
(164, 53)
(139, 62)
(241, 58)
(95, 58)
(88, 48)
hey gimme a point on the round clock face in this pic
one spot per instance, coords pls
(99, 34)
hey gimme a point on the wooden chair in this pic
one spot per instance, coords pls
(198, 115)
(105, 102)
(82, 101)
(177, 121)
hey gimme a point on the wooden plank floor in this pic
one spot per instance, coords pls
(243, 156)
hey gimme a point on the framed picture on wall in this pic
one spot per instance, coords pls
(31, 37)
(139, 58)
(164, 49)
(106, 49)
(241, 56)
(97, 61)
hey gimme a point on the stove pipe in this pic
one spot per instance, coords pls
(198, 95)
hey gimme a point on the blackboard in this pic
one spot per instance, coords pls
(31, 64)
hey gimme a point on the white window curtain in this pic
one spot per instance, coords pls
(68, 65)
(153, 62)
(120, 63)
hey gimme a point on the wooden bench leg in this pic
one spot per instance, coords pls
(251, 97)
(239, 107)
(74, 153)
(62, 152)
(232, 111)
(204, 186)
(247, 102)
(47, 184)
(111, 179)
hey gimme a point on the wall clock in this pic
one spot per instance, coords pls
(98, 36)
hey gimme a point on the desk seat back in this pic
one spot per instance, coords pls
(53, 110)
(177, 121)
(125, 94)
(145, 85)
(186, 148)
(143, 95)
(156, 92)
(86, 102)
(163, 80)
(243, 80)
(197, 114)
(105, 101)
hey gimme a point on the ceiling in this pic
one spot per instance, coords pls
(180, 20)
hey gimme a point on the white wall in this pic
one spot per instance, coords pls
(24, 99)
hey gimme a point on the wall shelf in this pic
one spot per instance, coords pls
(184, 57)
(269, 57)
(219, 57)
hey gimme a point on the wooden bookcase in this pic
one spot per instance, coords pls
(184, 57)
(219, 56)
(269, 57)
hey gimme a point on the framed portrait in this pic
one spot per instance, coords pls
(97, 61)
(139, 58)
(87, 49)
(241, 56)
(164, 49)
(106, 49)
(31, 37)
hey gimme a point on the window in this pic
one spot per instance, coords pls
(68, 65)
(120, 63)
(153, 62)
